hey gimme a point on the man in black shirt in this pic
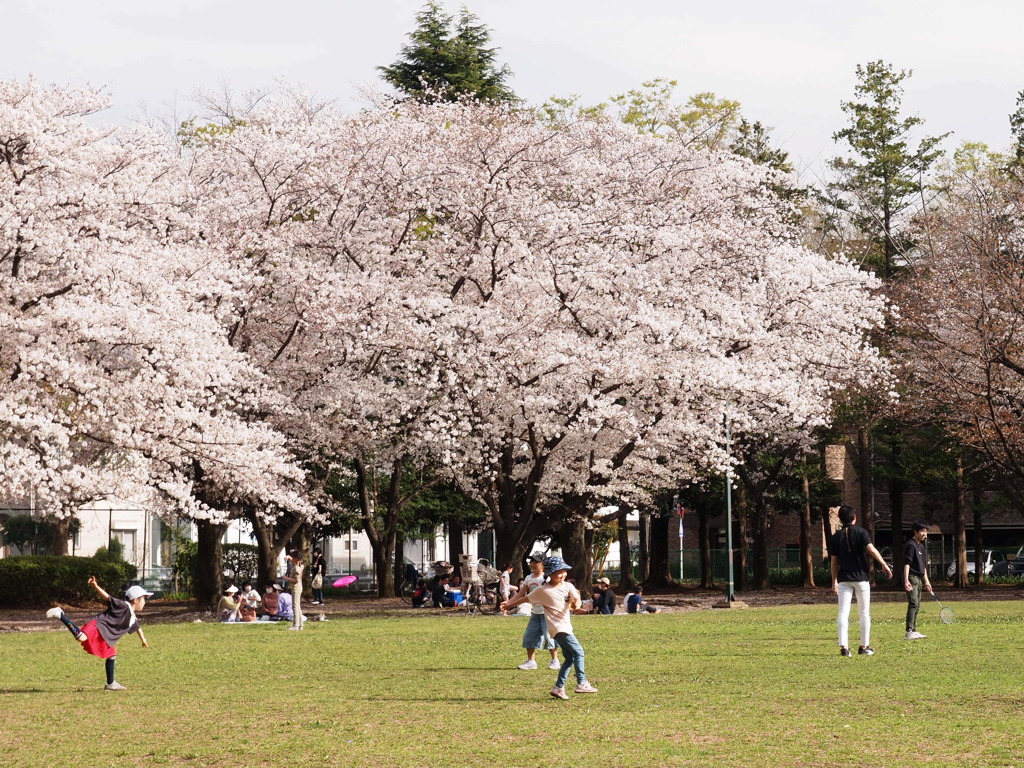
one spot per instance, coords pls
(849, 549)
(915, 573)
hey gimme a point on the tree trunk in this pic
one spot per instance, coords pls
(959, 528)
(644, 551)
(398, 572)
(209, 562)
(270, 541)
(661, 573)
(760, 525)
(382, 530)
(806, 559)
(510, 551)
(739, 540)
(590, 555)
(626, 581)
(979, 539)
(456, 546)
(574, 550)
(896, 489)
(61, 532)
(707, 570)
(866, 517)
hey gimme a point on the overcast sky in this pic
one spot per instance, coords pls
(789, 62)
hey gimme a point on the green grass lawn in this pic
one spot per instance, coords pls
(757, 687)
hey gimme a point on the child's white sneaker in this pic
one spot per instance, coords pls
(553, 664)
(114, 686)
(55, 613)
(559, 693)
(531, 664)
(585, 688)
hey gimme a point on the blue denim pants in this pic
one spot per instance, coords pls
(572, 651)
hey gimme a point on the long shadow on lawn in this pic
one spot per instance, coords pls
(447, 697)
(459, 669)
(21, 690)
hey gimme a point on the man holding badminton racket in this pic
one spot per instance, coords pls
(915, 574)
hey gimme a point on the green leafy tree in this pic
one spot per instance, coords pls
(703, 120)
(448, 59)
(886, 176)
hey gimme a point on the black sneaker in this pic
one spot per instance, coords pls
(866, 650)
(844, 651)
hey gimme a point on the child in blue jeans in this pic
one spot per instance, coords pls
(559, 598)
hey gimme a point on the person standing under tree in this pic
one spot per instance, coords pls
(915, 574)
(99, 636)
(317, 574)
(295, 579)
(849, 549)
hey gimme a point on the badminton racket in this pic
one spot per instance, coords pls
(946, 615)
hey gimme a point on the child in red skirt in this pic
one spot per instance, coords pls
(100, 634)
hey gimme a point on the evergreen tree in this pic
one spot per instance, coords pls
(448, 59)
(753, 141)
(885, 177)
(1017, 130)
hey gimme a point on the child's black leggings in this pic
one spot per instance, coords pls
(70, 625)
(76, 632)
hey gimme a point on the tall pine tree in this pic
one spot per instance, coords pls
(448, 60)
(883, 180)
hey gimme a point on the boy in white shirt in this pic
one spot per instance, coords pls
(536, 634)
(558, 599)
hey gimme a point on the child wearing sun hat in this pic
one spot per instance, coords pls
(559, 598)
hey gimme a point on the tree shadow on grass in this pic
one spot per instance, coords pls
(446, 697)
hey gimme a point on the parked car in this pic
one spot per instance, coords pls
(995, 564)
(1015, 565)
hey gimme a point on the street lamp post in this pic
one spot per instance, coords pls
(730, 593)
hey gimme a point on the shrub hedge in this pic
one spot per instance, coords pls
(47, 579)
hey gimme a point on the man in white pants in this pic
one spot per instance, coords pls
(849, 549)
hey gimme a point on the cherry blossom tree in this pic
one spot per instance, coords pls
(553, 315)
(117, 376)
(961, 317)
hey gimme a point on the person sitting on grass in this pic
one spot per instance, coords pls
(285, 607)
(100, 634)
(270, 603)
(228, 605)
(442, 594)
(421, 596)
(604, 599)
(635, 603)
(250, 599)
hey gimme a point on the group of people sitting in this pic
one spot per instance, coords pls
(605, 601)
(275, 604)
(446, 592)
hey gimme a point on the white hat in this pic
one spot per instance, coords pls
(231, 590)
(135, 592)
